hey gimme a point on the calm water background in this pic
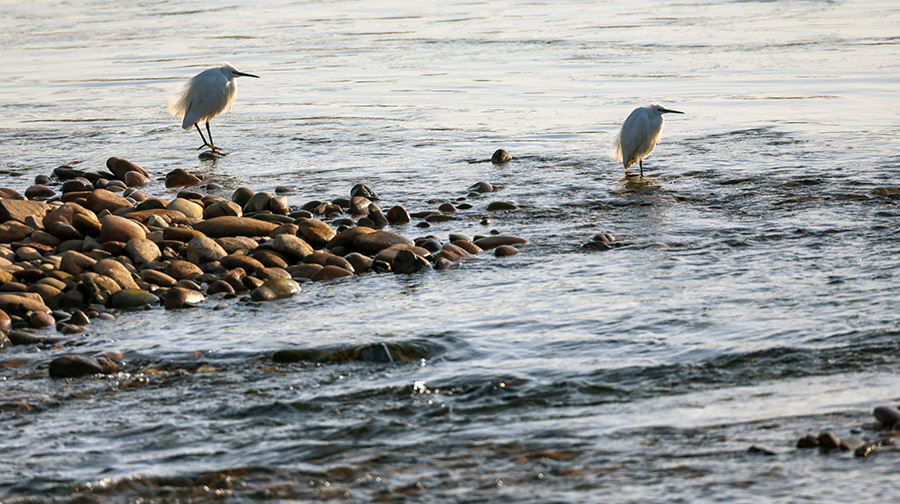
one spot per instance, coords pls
(757, 302)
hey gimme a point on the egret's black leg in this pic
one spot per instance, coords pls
(641, 162)
(205, 143)
(211, 146)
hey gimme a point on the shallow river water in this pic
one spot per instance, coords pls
(756, 300)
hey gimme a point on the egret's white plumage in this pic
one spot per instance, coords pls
(206, 95)
(639, 134)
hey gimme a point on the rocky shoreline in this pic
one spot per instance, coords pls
(100, 245)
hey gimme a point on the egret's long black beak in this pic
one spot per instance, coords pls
(665, 110)
(242, 74)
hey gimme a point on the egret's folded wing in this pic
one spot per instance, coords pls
(634, 135)
(205, 98)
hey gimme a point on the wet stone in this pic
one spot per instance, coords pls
(179, 270)
(505, 251)
(120, 229)
(189, 208)
(500, 156)
(481, 187)
(179, 297)
(490, 242)
(407, 262)
(364, 191)
(379, 240)
(73, 366)
(38, 191)
(330, 273)
(219, 287)
(397, 215)
(181, 178)
(828, 441)
(120, 167)
(808, 441)
(887, 416)
(129, 299)
(495, 206)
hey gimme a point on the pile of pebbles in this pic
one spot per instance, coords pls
(887, 423)
(103, 244)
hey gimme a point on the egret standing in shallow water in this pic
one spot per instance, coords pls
(206, 95)
(639, 134)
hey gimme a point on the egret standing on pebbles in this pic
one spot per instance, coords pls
(206, 95)
(639, 134)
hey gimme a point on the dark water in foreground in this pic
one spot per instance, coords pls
(756, 300)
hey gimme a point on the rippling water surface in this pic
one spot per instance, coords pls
(756, 300)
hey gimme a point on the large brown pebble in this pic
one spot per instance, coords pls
(490, 242)
(157, 278)
(828, 441)
(41, 319)
(39, 191)
(179, 297)
(318, 258)
(500, 156)
(501, 205)
(48, 293)
(222, 209)
(329, 273)
(397, 215)
(505, 251)
(406, 262)
(115, 270)
(279, 205)
(182, 234)
(20, 210)
(19, 304)
(275, 288)
(334, 260)
(219, 287)
(5, 321)
(360, 263)
(292, 245)
(482, 187)
(14, 231)
(270, 259)
(75, 263)
(887, 416)
(135, 179)
(64, 231)
(345, 238)
(181, 178)
(190, 209)
(183, 270)
(121, 229)
(241, 261)
(202, 249)
(130, 299)
(315, 232)
(86, 223)
(359, 206)
(379, 240)
(234, 226)
(467, 246)
(387, 255)
(233, 244)
(270, 273)
(74, 366)
(304, 270)
(119, 167)
(101, 199)
(142, 250)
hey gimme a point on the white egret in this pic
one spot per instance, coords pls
(639, 134)
(206, 95)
